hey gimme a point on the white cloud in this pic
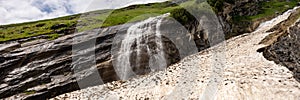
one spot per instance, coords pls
(17, 11)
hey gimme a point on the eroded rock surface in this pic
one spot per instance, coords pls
(42, 69)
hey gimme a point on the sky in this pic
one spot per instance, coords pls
(18, 11)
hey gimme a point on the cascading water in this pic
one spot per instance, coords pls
(142, 41)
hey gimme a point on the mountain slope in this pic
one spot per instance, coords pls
(38, 59)
(37, 68)
(247, 75)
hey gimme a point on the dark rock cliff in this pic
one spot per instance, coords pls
(285, 50)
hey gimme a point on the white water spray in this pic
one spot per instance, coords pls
(138, 37)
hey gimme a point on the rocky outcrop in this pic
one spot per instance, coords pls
(285, 51)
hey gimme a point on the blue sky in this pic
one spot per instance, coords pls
(17, 11)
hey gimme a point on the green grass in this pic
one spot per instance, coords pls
(25, 30)
(120, 17)
(53, 36)
(124, 16)
(29, 92)
(86, 21)
(130, 14)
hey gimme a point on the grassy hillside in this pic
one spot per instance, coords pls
(54, 28)
(51, 27)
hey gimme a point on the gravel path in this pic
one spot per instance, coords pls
(230, 70)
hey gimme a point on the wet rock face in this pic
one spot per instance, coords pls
(43, 69)
(286, 50)
(142, 66)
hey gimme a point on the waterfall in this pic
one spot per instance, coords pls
(143, 40)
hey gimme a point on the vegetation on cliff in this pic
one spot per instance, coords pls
(268, 9)
(244, 16)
